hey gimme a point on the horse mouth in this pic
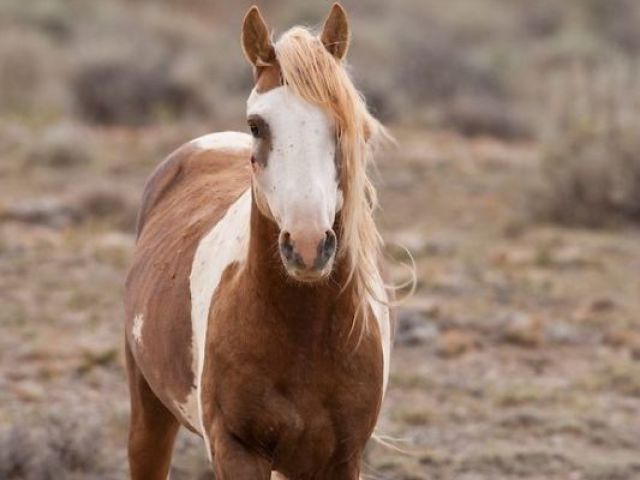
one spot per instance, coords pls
(312, 275)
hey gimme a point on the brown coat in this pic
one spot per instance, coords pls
(284, 385)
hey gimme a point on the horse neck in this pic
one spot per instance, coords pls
(294, 301)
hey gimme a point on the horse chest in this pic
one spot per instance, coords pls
(282, 375)
(301, 420)
(302, 407)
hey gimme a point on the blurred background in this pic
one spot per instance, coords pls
(515, 185)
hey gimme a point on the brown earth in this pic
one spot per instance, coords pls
(518, 356)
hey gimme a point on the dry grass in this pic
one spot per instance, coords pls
(591, 150)
(29, 76)
(62, 146)
(519, 355)
(63, 446)
(417, 63)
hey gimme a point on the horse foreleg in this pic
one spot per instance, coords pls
(232, 461)
(152, 430)
(348, 471)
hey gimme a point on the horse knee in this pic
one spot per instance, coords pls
(232, 461)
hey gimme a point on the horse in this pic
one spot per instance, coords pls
(257, 313)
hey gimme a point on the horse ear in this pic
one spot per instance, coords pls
(256, 43)
(335, 32)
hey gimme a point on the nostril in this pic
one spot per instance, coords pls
(326, 249)
(329, 242)
(285, 246)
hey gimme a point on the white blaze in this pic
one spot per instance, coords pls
(300, 180)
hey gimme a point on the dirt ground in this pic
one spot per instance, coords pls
(517, 358)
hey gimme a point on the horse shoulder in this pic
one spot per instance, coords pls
(183, 200)
(207, 149)
(160, 181)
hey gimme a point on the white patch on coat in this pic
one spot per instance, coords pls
(300, 181)
(381, 312)
(136, 329)
(227, 242)
(224, 141)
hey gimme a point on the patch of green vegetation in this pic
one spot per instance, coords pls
(620, 374)
(519, 394)
(103, 358)
(411, 381)
(414, 417)
(80, 300)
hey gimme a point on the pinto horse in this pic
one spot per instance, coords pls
(256, 312)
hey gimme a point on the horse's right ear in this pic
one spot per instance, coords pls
(256, 42)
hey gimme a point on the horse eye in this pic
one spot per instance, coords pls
(255, 130)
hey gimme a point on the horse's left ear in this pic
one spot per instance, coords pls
(335, 32)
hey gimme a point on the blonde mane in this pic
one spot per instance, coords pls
(316, 76)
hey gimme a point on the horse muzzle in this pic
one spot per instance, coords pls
(308, 256)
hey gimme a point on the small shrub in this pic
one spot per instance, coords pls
(590, 171)
(16, 453)
(434, 75)
(542, 18)
(62, 146)
(134, 86)
(51, 17)
(617, 21)
(485, 115)
(28, 77)
(48, 211)
(66, 447)
(109, 204)
(439, 70)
